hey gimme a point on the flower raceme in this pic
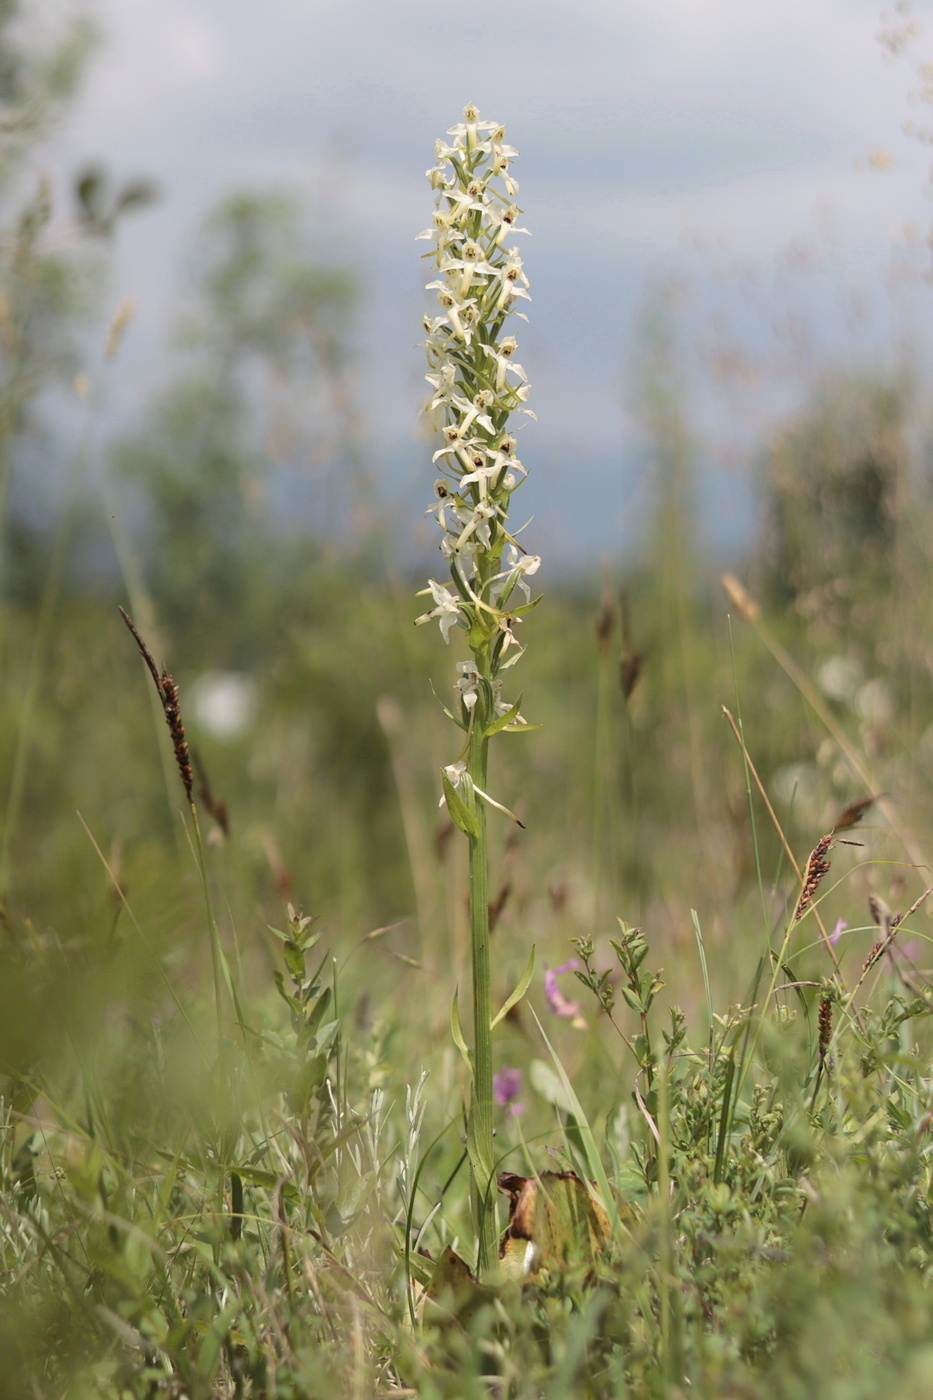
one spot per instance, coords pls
(476, 385)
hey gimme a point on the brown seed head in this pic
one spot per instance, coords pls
(168, 695)
(853, 813)
(740, 599)
(817, 867)
(826, 1027)
(605, 622)
(630, 669)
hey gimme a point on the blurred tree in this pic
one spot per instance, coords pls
(40, 289)
(835, 491)
(261, 404)
(50, 267)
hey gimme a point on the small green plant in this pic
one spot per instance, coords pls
(476, 387)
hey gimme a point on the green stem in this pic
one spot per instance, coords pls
(214, 936)
(480, 1124)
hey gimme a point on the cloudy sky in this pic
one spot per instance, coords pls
(754, 152)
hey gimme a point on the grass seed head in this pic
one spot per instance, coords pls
(825, 1027)
(817, 867)
(167, 690)
(853, 813)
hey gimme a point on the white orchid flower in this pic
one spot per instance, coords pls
(446, 608)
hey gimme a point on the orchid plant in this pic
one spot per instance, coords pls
(476, 387)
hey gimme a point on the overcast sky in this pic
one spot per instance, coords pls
(727, 141)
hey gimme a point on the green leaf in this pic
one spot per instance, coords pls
(546, 1083)
(632, 999)
(503, 720)
(483, 1169)
(593, 1161)
(525, 607)
(316, 1016)
(294, 960)
(458, 722)
(519, 992)
(279, 981)
(460, 814)
(456, 1030)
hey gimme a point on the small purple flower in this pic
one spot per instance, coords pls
(838, 931)
(559, 1004)
(506, 1087)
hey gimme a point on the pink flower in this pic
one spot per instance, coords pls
(838, 931)
(506, 1087)
(559, 1004)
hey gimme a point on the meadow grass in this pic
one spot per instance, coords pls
(265, 1213)
(239, 1149)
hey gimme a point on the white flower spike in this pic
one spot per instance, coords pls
(476, 384)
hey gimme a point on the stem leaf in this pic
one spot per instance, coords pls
(460, 814)
(593, 1161)
(456, 1031)
(519, 992)
(510, 715)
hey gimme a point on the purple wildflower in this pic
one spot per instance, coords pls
(506, 1087)
(838, 931)
(559, 1004)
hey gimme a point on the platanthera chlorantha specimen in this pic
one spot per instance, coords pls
(477, 387)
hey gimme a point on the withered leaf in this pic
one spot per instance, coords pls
(554, 1220)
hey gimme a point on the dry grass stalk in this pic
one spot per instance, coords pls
(784, 841)
(750, 610)
(817, 867)
(168, 696)
(891, 923)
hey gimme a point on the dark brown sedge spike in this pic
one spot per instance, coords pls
(852, 814)
(630, 668)
(826, 1029)
(875, 954)
(817, 867)
(605, 622)
(168, 697)
(881, 913)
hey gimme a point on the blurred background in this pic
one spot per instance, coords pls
(209, 322)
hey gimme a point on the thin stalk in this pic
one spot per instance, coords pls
(748, 790)
(603, 837)
(212, 933)
(783, 839)
(481, 1102)
(750, 610)
(40, 645)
